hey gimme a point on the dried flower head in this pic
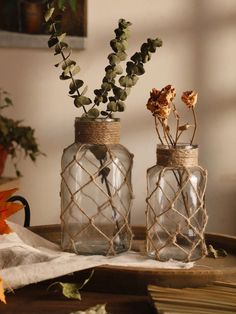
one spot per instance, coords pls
(160, 101)
(163, 112)
(189, 98)
(169, 92)
(161, 105)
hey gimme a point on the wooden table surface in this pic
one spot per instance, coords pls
(36, 299)
(124, 291)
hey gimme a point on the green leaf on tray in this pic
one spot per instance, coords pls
(215, 253)
(72, 290)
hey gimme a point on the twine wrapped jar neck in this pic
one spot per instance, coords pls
(99, 131)
(181, 156)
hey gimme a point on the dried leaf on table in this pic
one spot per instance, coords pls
(72, 290)
(97, 309)
(212, 252)
(7, 209)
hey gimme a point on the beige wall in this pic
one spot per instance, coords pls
(198, 53)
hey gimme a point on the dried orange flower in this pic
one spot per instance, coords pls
(189, 98)
(169, 92)
(161, 105)
(160, 101)
(163, 112)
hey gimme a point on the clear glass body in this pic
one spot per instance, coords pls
(96, 199)
(176, 214)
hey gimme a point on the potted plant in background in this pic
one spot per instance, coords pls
(15, 139)
(96, 190)
(176, 213)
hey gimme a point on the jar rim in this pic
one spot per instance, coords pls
(186, 146)
(81, 119)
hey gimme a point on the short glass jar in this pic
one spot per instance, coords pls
(176, 213)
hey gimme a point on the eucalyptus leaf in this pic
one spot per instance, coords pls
(111, 106)
(113, 58)
(93, 113)
(64, 77)
(130, 67)
(104, 113)
(121, 106)
(59, 47)
(67, 63)
(52, 42)
(61, 37)
(76, 70)
(120, 93)
(75, 85)
(137, 57)
(124, 24)
(126, 81)
(122, 55)
(139, 69)
(106, 86)
(49, 14)
(82, 101)
(118, 69)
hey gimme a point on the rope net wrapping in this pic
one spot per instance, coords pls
(96, 199)
(176, 213)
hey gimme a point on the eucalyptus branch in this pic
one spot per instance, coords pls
(134, 67)
(67, 66)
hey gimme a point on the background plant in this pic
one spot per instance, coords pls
(116, 85)
(161, 104)
(16, 138)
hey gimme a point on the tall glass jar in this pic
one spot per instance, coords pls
(96, 190)
(176, 213)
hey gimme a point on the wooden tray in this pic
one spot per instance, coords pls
(127, 279)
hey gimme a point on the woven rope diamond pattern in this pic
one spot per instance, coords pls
(176, 214)
(94, 207)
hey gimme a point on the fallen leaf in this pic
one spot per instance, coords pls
(72, 290)
(212, 252)
(2, 295)
(7, 209)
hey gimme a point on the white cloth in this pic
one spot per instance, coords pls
(27, 258)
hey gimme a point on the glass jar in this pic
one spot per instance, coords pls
(96, 190)
(176, 213)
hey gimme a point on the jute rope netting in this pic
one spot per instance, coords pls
(108, 133)
(182, 165)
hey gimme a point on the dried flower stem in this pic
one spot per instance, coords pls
(158, 133)
(177, 124)
(195, 125)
